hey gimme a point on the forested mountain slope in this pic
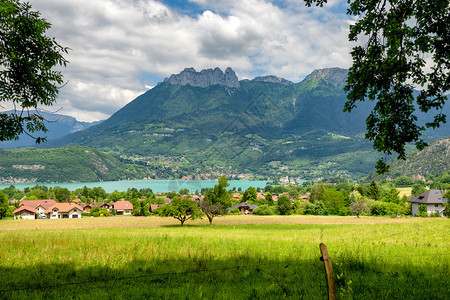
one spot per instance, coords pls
(268, 126)
(70, 164)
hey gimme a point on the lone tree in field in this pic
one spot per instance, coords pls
(406, 47)
(216, 201)
(359, 207)
(27, 80)
(182, 209)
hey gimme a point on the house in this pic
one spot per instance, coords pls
(303, 197)
(12, 202)
(123, 207)
(31, 209)
(433, 201)
(25, 212)
(260, 196)
(236, 196)
(86, 207)
(34, 203)
(244, 208)
(154, 206)
(64, 211)
(195, 198)
(104, 205)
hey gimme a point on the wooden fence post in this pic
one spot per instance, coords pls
(329, 270)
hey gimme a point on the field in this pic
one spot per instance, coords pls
(405, 191)
(240, 257)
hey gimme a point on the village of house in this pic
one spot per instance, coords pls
(50, 209)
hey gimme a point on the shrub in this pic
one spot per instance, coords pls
(264, 210)
(423, 214)
(234, 211)
(314, 208)
(378, 208)
(423, 211)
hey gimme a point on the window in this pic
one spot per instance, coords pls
(436, 205)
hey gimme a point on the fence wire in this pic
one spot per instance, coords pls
(161, 275)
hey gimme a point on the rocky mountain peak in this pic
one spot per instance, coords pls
(334, 76)
(204, 78)
(273, 78)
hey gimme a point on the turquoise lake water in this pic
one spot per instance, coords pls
(155, 185)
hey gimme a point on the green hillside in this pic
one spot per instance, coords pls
(70, 164)
(433, 160)
(265, 128)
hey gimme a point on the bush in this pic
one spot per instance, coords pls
(9, 212)
(264, 210)
(435, 215)
(423, 211)
(97, 212)
(378, 208)
(314, 208)
(423, 214)
(234, 211)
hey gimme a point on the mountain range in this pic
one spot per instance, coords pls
(58, 125)
(201, 124)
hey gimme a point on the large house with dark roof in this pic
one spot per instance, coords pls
(432, 199)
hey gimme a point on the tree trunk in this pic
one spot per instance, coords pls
(210, 218)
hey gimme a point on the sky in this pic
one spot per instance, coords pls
(119, 49)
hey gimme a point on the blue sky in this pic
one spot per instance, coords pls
(121, 48)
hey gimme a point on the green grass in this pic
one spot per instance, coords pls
(372, 258)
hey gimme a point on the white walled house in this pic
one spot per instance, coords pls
(25, 212)
(30, 209)
(64, 211)
(432, 199)
(123, 208)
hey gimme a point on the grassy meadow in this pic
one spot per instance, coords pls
(240, 257)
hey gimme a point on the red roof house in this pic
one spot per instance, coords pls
(123, 207)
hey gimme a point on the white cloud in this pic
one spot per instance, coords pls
(117, 43)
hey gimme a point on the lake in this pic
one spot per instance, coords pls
(155, 185)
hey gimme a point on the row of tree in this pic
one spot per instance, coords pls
(343, 198)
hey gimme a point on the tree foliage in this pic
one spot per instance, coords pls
(284, 205)
(374, 192)
(406, 46)
(182, 209)
(417, 189)
(3, 205)
(250, 195)
(393, 196)
(359, 207)
(27, 78)
(61, 194)
(216, 201)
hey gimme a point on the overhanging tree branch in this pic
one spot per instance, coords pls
(393, 63)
